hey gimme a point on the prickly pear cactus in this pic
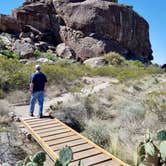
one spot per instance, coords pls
(141, 152)
(65, 156)
(31, 164)
(58, 163)
(39, 158)
(20, 163)
(150, 148)
(147, 152)
(163, 151)
(161, 135)
(5, 164)
(27, 160)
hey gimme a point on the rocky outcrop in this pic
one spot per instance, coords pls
(9, 24)
(95, 62)
(34, 14)
(24, 47)
(65, 51)
(88, 27)
(110, 20)
(88, 46)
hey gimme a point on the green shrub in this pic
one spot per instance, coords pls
(48, 55)
(37, 53)
(114, 58)
(135, 63)
(9, 54)
(15, 76)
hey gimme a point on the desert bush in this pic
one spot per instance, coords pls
(98, 133)
(155, 103)
(9, 54)
(114, 58)
(75, 87)
(15, 76)
(88, 106)
(48, 55)
(4, 114)
(135, 63)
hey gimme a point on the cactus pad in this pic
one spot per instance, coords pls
(65, 156)
(31, 164)
(20, 163)
(39, 157)
(150, 148)
(163, 150)
(161, 135)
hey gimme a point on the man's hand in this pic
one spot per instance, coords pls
(30, 87)
(45, 86)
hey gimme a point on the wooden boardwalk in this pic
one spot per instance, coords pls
(53, 135)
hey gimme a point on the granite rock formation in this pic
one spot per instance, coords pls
(89, 27)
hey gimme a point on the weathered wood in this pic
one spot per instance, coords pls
(61, 135)
(46, 126)
(53, 135)
(42, 135)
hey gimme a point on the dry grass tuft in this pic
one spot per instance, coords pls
(4, 111)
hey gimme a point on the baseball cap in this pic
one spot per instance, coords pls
(37, 67)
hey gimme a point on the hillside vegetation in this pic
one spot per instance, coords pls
(115, 116)
(15, 75)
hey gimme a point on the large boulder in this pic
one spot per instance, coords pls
(95, 62)
(45, 60)
(39, 17)
(88, 46)
(9, 24)
(6, 40)
(34, 14)
(110, 20)
(88, 27)
(65, 51)
(24, 48)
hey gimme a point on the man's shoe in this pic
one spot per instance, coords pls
(31, 114)
(40, 116)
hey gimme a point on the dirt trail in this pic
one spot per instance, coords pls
(92, 85)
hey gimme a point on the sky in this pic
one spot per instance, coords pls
(153, 11)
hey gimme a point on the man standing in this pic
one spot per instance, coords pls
(38, 84)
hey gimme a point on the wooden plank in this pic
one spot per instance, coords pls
(50, 129)
(82, 147)
(41, 122)
(44, 123)
(34, 119)
(53, 135)
(50, 152)
(61, 135)
(108, 163)
(63, 140)
(96, 146)
(79, 148)
(42, 135)
(85, 154)
(91, 161)
(71, 144)
(42, 128)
